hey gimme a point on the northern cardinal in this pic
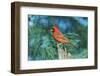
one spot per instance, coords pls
(58, 36)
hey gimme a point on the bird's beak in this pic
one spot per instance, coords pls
(51, 30)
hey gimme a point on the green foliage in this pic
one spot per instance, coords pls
(42, 46)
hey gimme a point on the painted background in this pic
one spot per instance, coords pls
(41, 44)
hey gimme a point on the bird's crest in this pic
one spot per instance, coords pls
(55, 25)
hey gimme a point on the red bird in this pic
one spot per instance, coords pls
(58, 36)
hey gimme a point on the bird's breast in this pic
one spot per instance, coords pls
(60, 38)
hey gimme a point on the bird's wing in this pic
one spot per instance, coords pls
(61, 37)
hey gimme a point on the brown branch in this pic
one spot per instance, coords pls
(62, 53)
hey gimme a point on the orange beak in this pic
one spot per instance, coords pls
(51, 30)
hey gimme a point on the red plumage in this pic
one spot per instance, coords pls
(58, 36)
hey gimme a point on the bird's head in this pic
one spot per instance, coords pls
(54, 28)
